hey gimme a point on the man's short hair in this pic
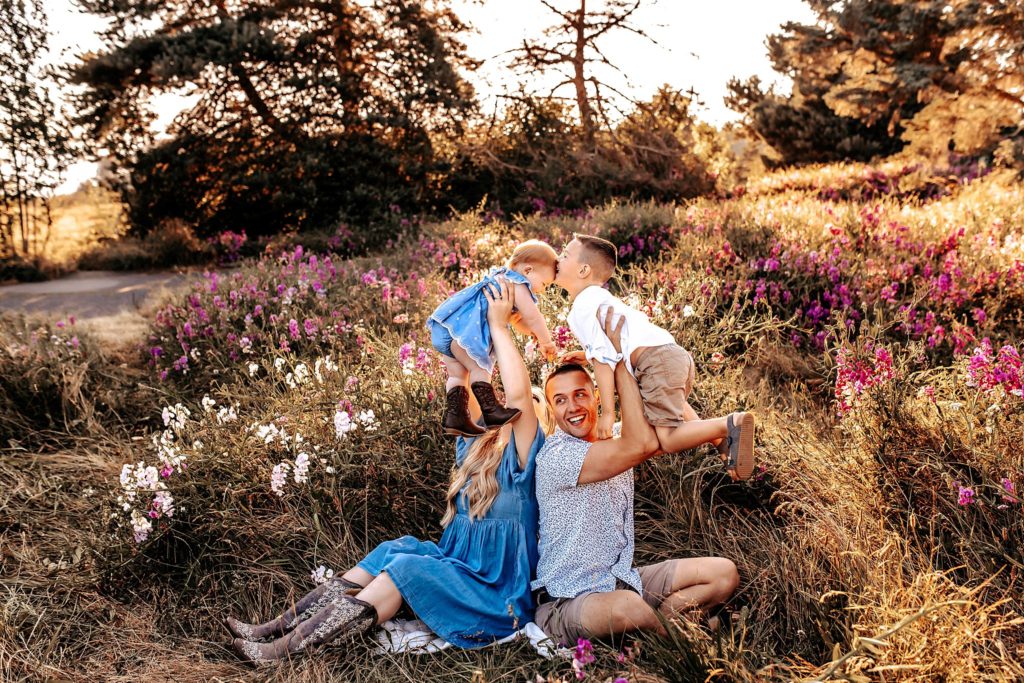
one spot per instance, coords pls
(565, 369)
(600, 254)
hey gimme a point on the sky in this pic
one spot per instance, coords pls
(698, 44)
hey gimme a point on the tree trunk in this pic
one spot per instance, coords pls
(252, 95)
(579, 78)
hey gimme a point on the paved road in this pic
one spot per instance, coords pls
(87, 294)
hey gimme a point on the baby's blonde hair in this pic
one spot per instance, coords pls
(535, 253)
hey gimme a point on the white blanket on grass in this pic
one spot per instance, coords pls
(412, 635)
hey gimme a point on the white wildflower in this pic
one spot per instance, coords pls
(279, 477)
(141, 526)
(301, 471)
(343, 424)
(688, 311)
(163, 504)
(227, 414)
(321, 575)
(175, 416)
(368, 420)
(253, 369)
(278, 364)
(208, 404)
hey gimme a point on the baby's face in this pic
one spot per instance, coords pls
(540, 277)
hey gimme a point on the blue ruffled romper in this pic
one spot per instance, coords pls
(463, 318)
(473, 587)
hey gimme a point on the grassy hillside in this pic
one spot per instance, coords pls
(871, 317)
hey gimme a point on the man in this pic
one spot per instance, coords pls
(586, 584)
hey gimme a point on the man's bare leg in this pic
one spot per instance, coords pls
(700, 583)
(617, 612)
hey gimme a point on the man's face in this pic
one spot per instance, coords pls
(568, 263)
(574, 403)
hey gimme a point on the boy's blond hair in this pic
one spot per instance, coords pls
(534, 253)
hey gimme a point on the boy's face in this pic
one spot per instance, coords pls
(540, 276)
(569, 263)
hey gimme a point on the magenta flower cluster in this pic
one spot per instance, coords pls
(989, 370)
(856, 374)
(228, 318)
(228, 245)
(582, 657)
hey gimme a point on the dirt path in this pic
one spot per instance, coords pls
(109, 304)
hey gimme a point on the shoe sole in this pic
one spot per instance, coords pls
(502, 424)
(451, 431)
(745, 454)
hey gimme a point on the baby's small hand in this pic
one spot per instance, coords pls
(605, 424)
(549, 350)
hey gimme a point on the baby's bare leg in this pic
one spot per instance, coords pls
(476, 373)
(457, 373)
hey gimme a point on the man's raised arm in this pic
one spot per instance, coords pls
(637, 441)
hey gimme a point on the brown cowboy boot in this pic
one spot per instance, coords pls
(456, 415)
(306, 607)
(495, 414)
(341, 620)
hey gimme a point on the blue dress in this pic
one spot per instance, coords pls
(473, 587)
(463, 318)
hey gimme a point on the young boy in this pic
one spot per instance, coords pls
(663, 369)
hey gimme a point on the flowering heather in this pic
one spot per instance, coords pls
(992, 371)
(856, 375)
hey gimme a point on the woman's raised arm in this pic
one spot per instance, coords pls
(515, 379)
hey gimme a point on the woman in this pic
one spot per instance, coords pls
(471, 588)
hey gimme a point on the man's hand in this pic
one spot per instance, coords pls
(605, 424)
(577, 357)
(501, 300)
(613, 332)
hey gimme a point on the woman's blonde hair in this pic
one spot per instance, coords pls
(535, 253)
(481, 466)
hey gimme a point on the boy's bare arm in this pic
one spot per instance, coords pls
(604, 375)
(638, 440)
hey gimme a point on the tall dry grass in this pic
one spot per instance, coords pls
(861, 557)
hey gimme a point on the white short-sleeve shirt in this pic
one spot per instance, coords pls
(638, 331)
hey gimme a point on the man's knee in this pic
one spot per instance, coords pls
(726, 577)
(633, 613)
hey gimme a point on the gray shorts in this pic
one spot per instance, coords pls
(561, 618)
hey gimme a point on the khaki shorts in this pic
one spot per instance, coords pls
(562, 618)
(665, 375)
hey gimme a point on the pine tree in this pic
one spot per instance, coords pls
(873, 75)
(33, 136)
(306, 110)
(570, 48)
